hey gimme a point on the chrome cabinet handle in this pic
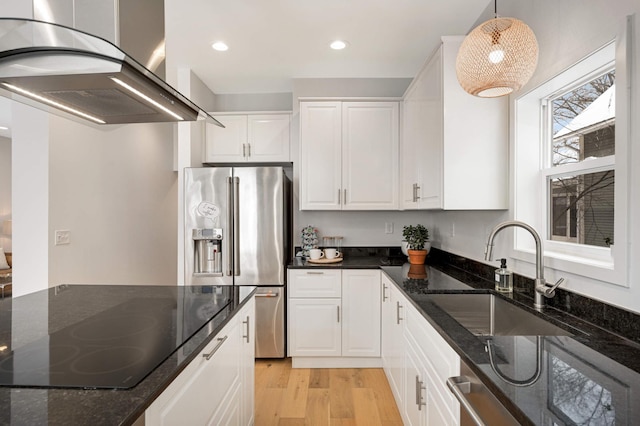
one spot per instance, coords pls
(249, 150)
(419, 388)
(314, 273)
(345, 197)
(221, 340)
(247, 323)
(339, 198)
(384, 293)
(338, 311)
(398, 307)
(460, 386)
(415, 192)
(244, 149)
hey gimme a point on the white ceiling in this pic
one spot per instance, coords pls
(272, 42)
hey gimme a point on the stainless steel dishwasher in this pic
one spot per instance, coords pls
(478, 406)
(270, 330)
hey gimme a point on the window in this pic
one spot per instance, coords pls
(571, 167)
(581, 127)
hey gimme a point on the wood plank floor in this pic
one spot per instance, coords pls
(341, 396)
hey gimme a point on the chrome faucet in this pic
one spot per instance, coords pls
(541, 288)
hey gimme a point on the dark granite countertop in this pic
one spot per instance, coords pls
(589, 377)
(27, 318)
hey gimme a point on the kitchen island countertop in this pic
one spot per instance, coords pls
(28, 319)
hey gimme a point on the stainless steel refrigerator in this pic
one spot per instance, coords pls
(238, 232)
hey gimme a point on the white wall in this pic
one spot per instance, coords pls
(357, 228)
(29, 198)
(115, 190)
(254, 102)
(567, 30)
(5, 189)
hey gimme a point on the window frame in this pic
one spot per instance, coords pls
(532, 170)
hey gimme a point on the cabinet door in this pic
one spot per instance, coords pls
(370, 155)
(201, 392)
(430, 139)
(392, 337)
(228, 144)
(247, 336)
(314, 327)
(414, 408)
(320, 155)
(361, 313)
(421, 149)
(410, 147)
(268, 138)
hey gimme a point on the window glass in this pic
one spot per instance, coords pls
(583, 121)
(582, 208)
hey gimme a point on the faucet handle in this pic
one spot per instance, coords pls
(549, 292)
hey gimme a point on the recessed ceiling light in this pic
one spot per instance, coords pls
(220, 46)
(338, 45)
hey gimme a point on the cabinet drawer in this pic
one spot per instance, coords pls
(325, 283)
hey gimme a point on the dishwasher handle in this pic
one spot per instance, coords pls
(460, 386)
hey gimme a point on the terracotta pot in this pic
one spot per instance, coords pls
(416, 257)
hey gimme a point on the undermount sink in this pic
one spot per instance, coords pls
(489, 315)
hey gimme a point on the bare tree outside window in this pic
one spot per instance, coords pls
(582, 203)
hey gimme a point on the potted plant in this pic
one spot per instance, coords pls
(417, 238)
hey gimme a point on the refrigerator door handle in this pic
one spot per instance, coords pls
(236, 226)
(228, 239)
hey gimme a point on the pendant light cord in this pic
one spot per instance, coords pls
(495, 8)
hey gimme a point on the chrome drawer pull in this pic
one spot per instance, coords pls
(221, 340)
(314, 273)
(398, 307)
(419, 388)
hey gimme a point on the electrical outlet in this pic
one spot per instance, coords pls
(63, 236)
(388, 227)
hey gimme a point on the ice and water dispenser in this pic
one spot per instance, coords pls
(208, 251)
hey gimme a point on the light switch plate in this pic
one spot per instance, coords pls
(62, 236)
(388, 227)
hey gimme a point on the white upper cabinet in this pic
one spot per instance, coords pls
(255, 138)
(455, 145)
(320, 155)
(349, 155)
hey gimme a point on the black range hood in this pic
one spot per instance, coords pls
(51, 67)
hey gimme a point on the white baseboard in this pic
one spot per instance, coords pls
(335, 362)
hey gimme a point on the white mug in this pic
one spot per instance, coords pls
(316, 254)
(331, 253)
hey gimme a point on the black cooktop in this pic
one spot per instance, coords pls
(113, 348)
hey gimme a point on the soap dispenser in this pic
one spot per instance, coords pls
(504, 278)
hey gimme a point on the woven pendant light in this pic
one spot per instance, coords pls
(497, 58)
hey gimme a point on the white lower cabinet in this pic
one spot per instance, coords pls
(334, 313)
(314, 327)
(216, 388)
(417, 362)
(392, 337)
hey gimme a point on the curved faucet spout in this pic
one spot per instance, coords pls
(541, 289)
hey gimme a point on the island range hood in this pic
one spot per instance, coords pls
(61, 69)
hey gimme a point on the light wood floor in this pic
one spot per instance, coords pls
(303, 396)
